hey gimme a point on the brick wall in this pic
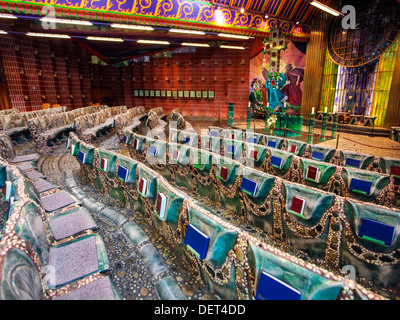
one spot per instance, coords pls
(225, 71)
(55, 71)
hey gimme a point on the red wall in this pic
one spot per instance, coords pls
(223, 64)
(35, 56)
(70, 62)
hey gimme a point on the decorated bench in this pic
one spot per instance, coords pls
(306, 218)
(128, 121)
(90, 127)
(228, 259)
(48, 129)
(52, 254)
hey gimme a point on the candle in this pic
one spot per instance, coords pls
(313, 110)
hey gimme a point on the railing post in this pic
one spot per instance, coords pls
(311, 126)
(231, 107)
(334, 125)
(323, 126)
(248, 116)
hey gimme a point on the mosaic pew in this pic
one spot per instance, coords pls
(48, 128)
(347, 181)
(90, 126)
(128, 121)
(312, 223)
(177, 116)
(226, 258)
(156, 119)
(8, 153)
(49, 255)
(319, 153)
(7, 111)
(188, 136)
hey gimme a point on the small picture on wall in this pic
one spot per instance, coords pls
(163, 93)
(136, 93)
(141, 93)
(211, 94)
(180, 94)
(174, 94)
(186, 94)
(193, 94)
(151, 93)
(198, 94)
(157, 93)
(146, 93)
(205, 94)
(169, 93)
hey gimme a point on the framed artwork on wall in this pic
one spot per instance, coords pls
(151, 93)
(157, 93)
(211, 94)
(136, 93)
(174, 94)
(163, 93)
(193, 94)
(186, 94)
(205, 94)
(169, 93)
(198, 94)
(180, 94)
(146, 93)
(141, 93)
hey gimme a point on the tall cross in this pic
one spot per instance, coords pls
(273, 46)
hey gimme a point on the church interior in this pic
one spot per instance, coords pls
(213, 150)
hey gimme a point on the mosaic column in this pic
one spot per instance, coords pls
(231, 112)
(311, 126)
(248, 115)
(323, 126)
(334, 125)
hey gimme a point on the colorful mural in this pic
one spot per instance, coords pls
(201, 13)
(283, 86)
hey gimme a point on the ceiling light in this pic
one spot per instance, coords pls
(153, 42)
(232, 36)
(219, 17)
(232, 47)
(67, 21)
(323, 7)
(48, 35)
(195, 44)
(187, 31)
(127, 26)
(7, 16)
(105, 39)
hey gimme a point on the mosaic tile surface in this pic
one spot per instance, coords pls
(127, 269)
